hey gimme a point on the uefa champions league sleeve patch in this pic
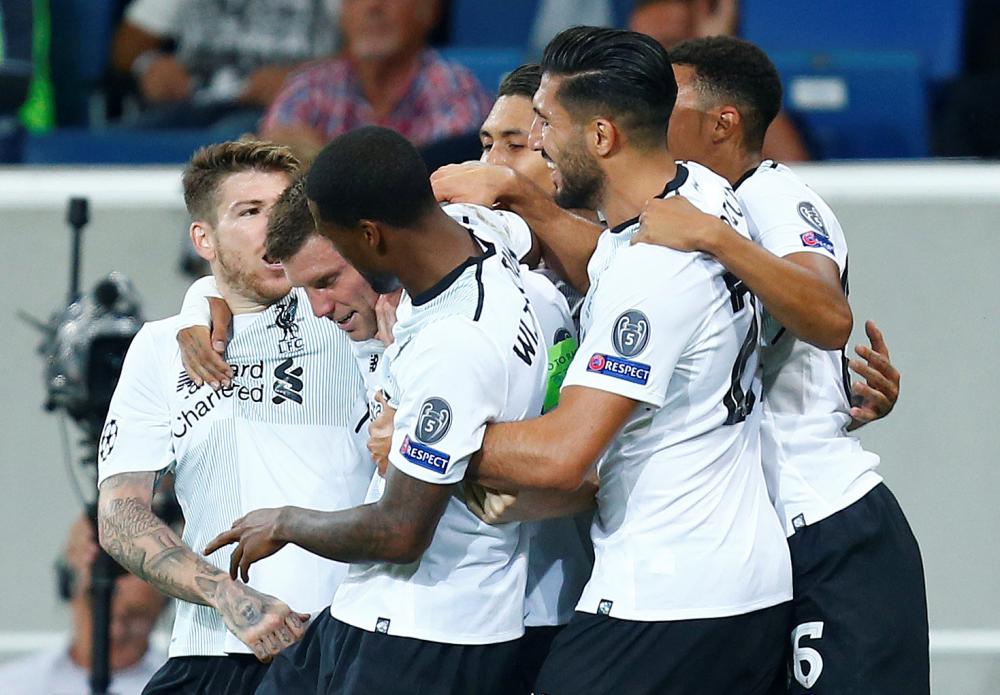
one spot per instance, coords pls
(434, 420)
(424, 456)
(619, 368)
(815, 240)
(630, 334)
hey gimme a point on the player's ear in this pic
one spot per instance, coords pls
(603, 136)
(203, 240)
(372, 234)
(727, 122)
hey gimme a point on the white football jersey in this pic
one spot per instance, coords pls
(466, 352)
(814, 467)
(684, 527)
(560, 555)
(282, 434)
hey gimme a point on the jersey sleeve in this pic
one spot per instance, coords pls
(786, 221)
(454, 382)
(136, 435)
(158, 17)
(509, 225)
(645, 309)
(195, 310)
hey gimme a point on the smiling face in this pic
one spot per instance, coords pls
(336, 290)
(576, 174)
(234, 243)
(505, 139)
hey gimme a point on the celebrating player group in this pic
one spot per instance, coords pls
(575, 418)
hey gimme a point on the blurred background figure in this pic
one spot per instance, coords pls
(387, 75)
(229, 59)
(64, 670)
(15, 73)
(673, 21)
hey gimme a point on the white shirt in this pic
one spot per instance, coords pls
(814, 467)
(560, 555)
(282, 434)
(684, 527)
(53, 672)
(466, 352)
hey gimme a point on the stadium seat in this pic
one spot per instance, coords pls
(932, 30)
(82, 146)
(488, 64)
(475, 23)
(857, 104)
(80, 46)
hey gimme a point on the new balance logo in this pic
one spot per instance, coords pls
(288, 383)
(373, 363)
(185, 382)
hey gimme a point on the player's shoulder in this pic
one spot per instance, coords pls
(495, 226)
(703, 187)
(452, 341)
(649, 269)
(773, 191)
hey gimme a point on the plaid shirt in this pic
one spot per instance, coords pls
(444, 99)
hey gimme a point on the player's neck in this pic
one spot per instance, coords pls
(632, 181)
(238, 304)
(736, 164)
(440, 245)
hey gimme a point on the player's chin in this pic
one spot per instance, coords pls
(272, 286)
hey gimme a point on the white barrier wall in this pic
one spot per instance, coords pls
(924, 254)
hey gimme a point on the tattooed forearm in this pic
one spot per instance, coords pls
(147, 547)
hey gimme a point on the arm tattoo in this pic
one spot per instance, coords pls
(147, 547)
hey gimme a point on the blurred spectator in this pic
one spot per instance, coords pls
(65, 670)
(673, 21)
(966, 127)
(387, 76)
(231, 58)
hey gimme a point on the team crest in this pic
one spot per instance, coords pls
(434, 421)
(631, 333)
(809, 213)
(285, 320)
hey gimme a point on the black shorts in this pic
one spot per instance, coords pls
(859, 616)
(597, 654)
(532, 650)
(208, 675)
(334, 658)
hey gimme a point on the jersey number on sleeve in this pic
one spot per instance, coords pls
(739, 402)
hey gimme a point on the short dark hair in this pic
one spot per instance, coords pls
(290, 223)
(622, 72)
(522, 81)
(731, 69)
(211, 164)
(370, 173)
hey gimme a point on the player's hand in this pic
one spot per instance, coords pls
(472, 182)
(263, 84)
(490, 506)
(201, 351)
(876, 396)
(261, 622)
(256, 538)
(165, 80)
(380, 433)
(385, 315)
(715, 17)
(676, 224)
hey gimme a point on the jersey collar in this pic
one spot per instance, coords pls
(673, 185)
(448, 280)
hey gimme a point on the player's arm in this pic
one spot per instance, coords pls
(146, 546)
(494, 507)
(567, 241)
(397, 528)
(802, 291)
(205, 317)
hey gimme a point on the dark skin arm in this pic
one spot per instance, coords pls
(816, 311)
(397, 528)
(566, 240)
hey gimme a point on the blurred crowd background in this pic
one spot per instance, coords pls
(146, 81)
